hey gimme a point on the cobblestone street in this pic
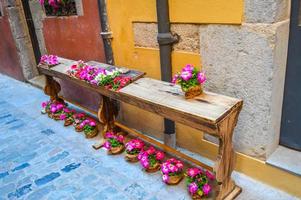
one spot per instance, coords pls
(41, 159)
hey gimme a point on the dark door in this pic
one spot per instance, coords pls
(291, 113)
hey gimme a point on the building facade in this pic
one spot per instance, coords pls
(242, 45)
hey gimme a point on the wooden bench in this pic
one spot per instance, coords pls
(212, 113)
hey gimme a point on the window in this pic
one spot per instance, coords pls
(59, 8)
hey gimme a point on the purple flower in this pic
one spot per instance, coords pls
(186, 75)
(188, 68)
(206, 189)
(165, 178)
(82, 125)
(201, 77)
(59, 106)
(193, 188)
(164, 169)
(129, 147)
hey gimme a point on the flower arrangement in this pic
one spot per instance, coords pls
(78, 119)
(190, 79)
(198, 182)
(67, 115)
(46, 107)
(150, 159)
(172, 171)
(50, 60)
(56, 109)
(114, 143)
(89, 127)
(59, 7)
(132, 149)
(110, 79)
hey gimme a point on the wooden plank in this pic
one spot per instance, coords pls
(162, 98)
(209, 106)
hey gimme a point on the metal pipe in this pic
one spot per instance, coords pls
(105, 34)
(31, 30)
(165, 40)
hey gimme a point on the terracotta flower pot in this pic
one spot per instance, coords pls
(78, 128)
(193, 91)
(56, 116)
(196, 197)
(153, 169)
(174, 180)
(131, 157)
(68, 122)
(116, 150)
(92, 133)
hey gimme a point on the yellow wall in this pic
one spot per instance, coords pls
(122, 14)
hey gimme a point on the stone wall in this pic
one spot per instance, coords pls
(247, 61)
(21, 37)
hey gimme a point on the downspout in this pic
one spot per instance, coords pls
(106, 34)
(166, 39)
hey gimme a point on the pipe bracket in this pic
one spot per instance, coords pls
(106, 35)
(167, 38)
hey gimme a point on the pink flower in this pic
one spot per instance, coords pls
(186, 75)
(210, 175)
(160, 155)
(206, 189)
(74, 67)
(120, 138)
(82, 125)
(139, 144)
(59, 106)
(175, 78)
(66, 110)
(145, 164)
(44, 104)
(164, 169)
(140, 155)
(192, 172)
(107, 145)
(193, 188)
(179, 165)
(188, 68)
(53, 109)
(62, 117)
(109, 134)
(42, 2)
(151, 150)
(129, 147)
(165, 178)
(92, 123)
(201, 77)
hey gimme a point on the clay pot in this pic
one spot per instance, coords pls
(116, 150)
(68, 122)
(92, 133)
(78, 128)
(56, 116)
(154, 168)
(196, 197)
(174, 180)
(131, 157)
(193, 91)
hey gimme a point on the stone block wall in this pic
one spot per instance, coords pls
(247, 61)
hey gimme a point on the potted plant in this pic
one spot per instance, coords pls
(78, 119)
(198, 182)
(46, 107)
(114, 143)
(190, 79)
(56, 109)
(132, 149)
(49, 60)
(90, 128)
(151, 159)
(172, 171)
(67, 116)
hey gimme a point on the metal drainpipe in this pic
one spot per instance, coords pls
(166, 39)
(106, 34)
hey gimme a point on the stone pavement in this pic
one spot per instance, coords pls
(41, 159)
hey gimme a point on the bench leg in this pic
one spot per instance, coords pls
(225, 159)
(106, 114)
(52, 88)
